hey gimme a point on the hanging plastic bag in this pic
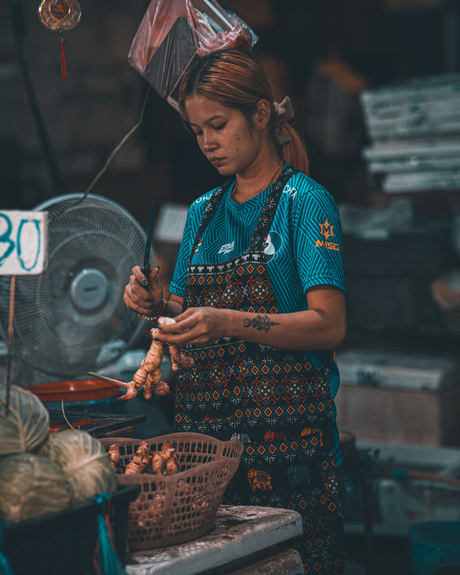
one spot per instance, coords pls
(174, 33)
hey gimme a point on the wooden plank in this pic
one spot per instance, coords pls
(238, 533)
(414, 90)
(422, 181)
(427, 147)
(427, 154)
(271, 562)
(425, 128)
(387, 115)
(410, 164)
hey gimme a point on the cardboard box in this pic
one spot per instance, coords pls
(397, 397)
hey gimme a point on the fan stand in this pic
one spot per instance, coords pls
(10, 345)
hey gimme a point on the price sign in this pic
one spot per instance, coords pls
(23, 242)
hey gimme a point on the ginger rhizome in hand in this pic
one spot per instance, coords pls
(149, 374)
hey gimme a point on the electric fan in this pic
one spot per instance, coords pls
(72, 318)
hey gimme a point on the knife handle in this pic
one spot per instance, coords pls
(146, 270)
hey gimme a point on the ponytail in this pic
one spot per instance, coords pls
(289, 141)
(294, 150)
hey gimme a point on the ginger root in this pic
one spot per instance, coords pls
(141, 460)
(114, 455)
(149, 373)
(163, 462)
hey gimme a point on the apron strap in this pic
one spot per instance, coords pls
(265, 219)
(268, 213)
(209, 210)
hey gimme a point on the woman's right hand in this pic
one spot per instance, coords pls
(144, 295)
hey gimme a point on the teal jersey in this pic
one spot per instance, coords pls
(303, 248)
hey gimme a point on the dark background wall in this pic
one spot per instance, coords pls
(85, 116)
(56, 135)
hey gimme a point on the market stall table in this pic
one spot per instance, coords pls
(242, 542)
(96, 424)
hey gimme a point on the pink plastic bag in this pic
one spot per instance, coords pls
(174, 33)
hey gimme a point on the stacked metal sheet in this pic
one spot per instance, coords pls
(414, 133)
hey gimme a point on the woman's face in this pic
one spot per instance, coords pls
(223, 134)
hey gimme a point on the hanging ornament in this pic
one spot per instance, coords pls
(60, 15)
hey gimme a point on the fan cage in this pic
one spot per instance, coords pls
(71, 318)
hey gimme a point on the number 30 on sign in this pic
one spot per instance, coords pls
(23, 242)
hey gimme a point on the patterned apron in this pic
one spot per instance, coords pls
(276, 402)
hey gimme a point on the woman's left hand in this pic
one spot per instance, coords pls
(196, 326)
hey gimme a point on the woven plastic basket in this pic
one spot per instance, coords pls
(173, 509)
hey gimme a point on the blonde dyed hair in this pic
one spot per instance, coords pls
(234, 79)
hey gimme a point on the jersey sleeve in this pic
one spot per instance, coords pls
(317, 237)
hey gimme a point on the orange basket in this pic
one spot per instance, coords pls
(173, 509)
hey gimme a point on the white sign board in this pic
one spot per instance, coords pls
(171, 222)
(23, 242)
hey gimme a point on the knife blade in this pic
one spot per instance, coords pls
(146, 267)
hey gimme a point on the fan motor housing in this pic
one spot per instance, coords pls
(89, 289)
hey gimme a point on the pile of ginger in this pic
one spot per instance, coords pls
(163, 462)
(149, 515)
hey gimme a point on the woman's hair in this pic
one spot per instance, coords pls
(234, 79)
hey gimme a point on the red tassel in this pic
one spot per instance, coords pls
(63, 60)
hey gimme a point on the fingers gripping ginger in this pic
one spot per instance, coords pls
(149, 373)
(178, 359)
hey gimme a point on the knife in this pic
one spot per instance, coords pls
(146, 267)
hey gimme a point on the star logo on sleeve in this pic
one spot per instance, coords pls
(326, 229)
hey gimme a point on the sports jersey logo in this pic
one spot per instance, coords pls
(290, 190)
(271, 246)
(327, 231)
(227, 248)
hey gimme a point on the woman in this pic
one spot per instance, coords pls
(258, 299)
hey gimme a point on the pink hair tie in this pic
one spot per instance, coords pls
(284, 112)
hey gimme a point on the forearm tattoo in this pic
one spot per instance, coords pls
(260, 323)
